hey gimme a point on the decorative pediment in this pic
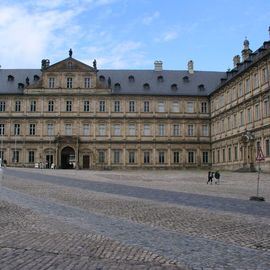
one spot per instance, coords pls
(69, 65)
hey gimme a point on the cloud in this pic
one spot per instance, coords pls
(150, 18)
(168, 36)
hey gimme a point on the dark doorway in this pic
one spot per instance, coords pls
(68, 158)
(49, 161)
(86, 162)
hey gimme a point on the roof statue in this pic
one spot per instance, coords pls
(95, 64)
(70, 52)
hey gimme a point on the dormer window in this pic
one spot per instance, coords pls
(36, 78)
(10, 78)
(101, 78)
(160, 78)
(131, 78)
(146, 86)
(201, 87)
(117, 87)
(185, 79)
(174, 87)
(20, 85)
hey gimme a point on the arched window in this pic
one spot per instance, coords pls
(185, 79)
(117, 86)
(131, 78)
(160, 78)
(146, 86)
(36, 78)
(10, 78)
(201, 87)
(174, 87)
(101, 78)
(20, 85)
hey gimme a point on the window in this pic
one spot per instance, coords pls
(175, 106)
(117, 86)
(50, 129)
(205, 130)
(161, 106)
(146, 106)
(68, 129)
(132, 106)
(86, 105)
(116, 156)
(17, 130)
(31, 156)
(176, 157)
(69, 105)
(2, 155)
(101, 156)
(51, 82)
(190, 107)
(87, 83)
(240, 90)
(131, 130)
(266, 111)
(131, 157)
(146, 130)
(229, 124)
(247, 85)
(190, 130)
(257, 112)
(176, 130)
(102, 130)
(204, 108)
(146, 157)
(223, 155)
(264, 75)
(191, 157)
(17, 106)
(241, 118)
(161, 130)
(2, 106)
(229, 154)
(102, 105)
(161, 157)
(86, 129)
(33, 105)
(117, 106)
(50, 105)
(255, 80)
(234, 120)
(116, 130)
(236, 153)
(2, 129)
(267, 147)
(15, 156)
(205, 157)
(32, 129)
(249, 115)
(131, 78)
(69, 82)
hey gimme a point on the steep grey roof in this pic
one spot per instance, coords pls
(166, 82)
(19, 75)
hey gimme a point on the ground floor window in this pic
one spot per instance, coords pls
(161, 157)
(267, 147)
(131, 157)
(205, 157)
(146, 157)
(176, 157)
(15, 156)
(116, 156)
(235, 153)
(31, 156)
(191, 157)
(101, 156)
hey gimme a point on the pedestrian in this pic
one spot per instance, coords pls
(217, 177)
(210, 177)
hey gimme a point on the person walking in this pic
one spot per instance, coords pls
(217, 177)
(210, 177)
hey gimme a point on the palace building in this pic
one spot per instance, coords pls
(72, 115)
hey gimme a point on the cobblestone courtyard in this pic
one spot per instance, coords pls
(67, 219)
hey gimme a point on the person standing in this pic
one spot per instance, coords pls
(210, 177)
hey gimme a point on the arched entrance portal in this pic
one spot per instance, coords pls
(68, 158)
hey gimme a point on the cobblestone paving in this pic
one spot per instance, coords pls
(72, 226)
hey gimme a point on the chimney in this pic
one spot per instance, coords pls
(236, 60)
(158, 65)
(190, 67)
(45, 63)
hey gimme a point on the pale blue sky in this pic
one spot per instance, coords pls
(131, 34)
